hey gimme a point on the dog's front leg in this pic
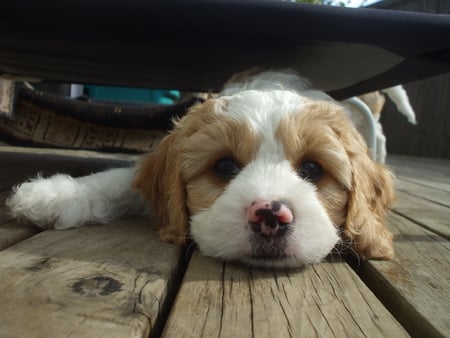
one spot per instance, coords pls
(63, 202)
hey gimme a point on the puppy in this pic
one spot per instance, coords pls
(270, 173)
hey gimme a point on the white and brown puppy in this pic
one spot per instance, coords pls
(269, 173)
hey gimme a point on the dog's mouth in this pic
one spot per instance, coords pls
(268, 248)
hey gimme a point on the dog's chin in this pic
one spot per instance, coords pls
(273, 261)
(276, 260)
(285, 252)
(303, 244)
(270, 252)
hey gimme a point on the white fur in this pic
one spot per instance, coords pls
(222, 230)
(280, 80)
(399, 96)
(63, 202)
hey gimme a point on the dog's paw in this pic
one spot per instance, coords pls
(55, 202)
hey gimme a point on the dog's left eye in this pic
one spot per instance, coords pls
(226, 168)
(310, 170)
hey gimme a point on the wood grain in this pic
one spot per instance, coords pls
(422, 191)
(434, 173)
(326, 300)
(11, 232)
(416, 284)
(97, 281)
(430, 215)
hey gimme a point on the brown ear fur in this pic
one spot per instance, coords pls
(369, 201)
(370, 198)
(159, 180)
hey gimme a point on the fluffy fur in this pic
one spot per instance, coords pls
(250, 145)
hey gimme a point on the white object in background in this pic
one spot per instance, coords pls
(7, 97)
(399, 96)
(366, 126)
(76, 90)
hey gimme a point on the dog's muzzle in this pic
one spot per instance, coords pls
(269, 222)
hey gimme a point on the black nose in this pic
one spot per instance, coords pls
(269, 217)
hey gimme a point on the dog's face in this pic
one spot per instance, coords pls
(268, 178)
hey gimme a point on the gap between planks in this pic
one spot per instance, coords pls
(415, 284)
(111, 280)
(325, 300)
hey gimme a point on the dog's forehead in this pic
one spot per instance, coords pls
(263, 110)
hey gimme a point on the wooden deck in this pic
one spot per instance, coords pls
(119, 280)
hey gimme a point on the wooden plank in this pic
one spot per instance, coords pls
(434, 166)
(442, 185)
(97, 281)
(4, 218)
(19, 164)
(423, 188)
(434, 173)
(432, 216)
(416, 284)
(11, 232)
(326, 300)
(423, 191)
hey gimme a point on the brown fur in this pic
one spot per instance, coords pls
(159, 180)
(375, 101)
(356, 191)
(370, 198)
(177, 178)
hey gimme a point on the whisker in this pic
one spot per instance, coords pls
(346, 245)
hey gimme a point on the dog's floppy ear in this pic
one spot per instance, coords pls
(160, 181)
(370, 198)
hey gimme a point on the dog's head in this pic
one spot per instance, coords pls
(269, 178)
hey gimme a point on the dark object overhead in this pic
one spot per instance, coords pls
(198, 44)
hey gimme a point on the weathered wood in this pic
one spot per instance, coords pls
(422, 168)
(416, 284)
(442, 185)
(433, 173)
(113, 280)
(423, 188)
(11, 232)
(4, 218)
(423, 191)
(326, 300)
(97, 281)
(430, 215)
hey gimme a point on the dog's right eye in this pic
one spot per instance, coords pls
(226, 168)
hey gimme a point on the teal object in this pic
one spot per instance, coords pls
(127, 94)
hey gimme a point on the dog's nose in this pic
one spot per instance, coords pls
(269, 218)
